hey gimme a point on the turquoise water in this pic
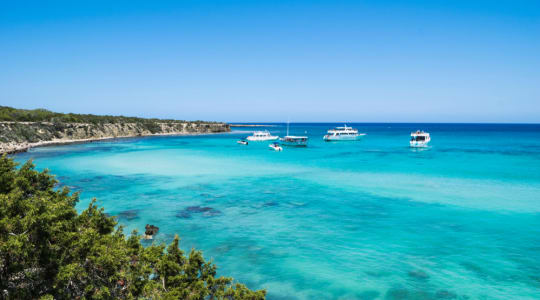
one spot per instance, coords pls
(371, 219)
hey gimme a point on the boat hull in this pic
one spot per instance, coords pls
(330, 138)
(415, 144)
(294, 144)
(262, 139)
(294, 141)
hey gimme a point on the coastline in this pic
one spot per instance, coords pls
(14, 148)
(251, 125)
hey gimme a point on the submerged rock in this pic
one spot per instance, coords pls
(129, 214)
(400, 293)
(418, 274)
(270, 203)
(206, 211)
(183, 214)
(198, 209)
(444, 294)
(397, 293)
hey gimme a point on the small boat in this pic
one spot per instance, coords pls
(294, 141)
(343, 134)
(275, 147)
(419, 139)
(242, 142)
(262, 136)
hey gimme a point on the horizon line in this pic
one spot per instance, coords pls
(356, 122)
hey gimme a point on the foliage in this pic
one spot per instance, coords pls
(43, 115)
(48, 250)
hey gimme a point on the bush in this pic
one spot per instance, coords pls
(43, 115)
(48, 250)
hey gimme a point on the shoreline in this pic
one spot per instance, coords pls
(24, 147)
(251, 125)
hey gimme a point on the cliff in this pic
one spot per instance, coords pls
(20, 136)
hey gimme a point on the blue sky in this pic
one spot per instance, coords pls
(363, 61)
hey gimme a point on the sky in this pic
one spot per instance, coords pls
(269, 61)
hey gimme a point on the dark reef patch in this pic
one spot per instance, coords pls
(397, 294)
(444, 294)
(129, 215)
(205, 211)
(418, 274)
(402, 293)
(183, 215)
(270, 203)
(378, 274)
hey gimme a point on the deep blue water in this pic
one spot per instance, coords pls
(371, 219)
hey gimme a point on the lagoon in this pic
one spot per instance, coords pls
(372, 219)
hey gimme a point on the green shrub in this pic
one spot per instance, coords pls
(49, 251)
(43, 115)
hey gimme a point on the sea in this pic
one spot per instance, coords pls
(367, 219)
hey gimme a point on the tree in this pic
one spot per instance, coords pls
(48, 250)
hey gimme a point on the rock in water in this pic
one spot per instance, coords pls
(151, 230)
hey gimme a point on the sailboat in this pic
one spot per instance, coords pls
(293, 140)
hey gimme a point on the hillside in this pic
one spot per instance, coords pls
(22, 129)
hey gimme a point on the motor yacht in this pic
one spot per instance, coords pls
(344, 133)
(419, 139)
(262, 136)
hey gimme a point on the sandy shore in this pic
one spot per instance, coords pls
(11, 148)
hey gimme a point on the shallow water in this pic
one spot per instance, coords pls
(371, 219)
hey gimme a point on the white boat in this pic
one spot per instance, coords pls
(275, 147)
(343, 134)
(262, 136)
(242, 142)
(419, 139)
(293, 140)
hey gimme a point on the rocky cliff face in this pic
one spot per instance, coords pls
(19, 136)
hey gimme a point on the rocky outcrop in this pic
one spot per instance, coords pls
(20, 136)
(150, 231)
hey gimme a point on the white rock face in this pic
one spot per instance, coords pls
(20, 136)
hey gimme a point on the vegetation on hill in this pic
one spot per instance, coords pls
(49, 251)
(42, 115)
